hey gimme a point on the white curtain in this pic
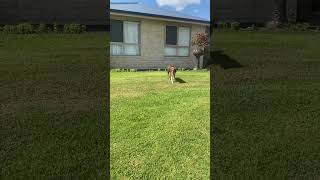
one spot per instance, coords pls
(183, 40)
(131, 35)
(183, 36)
(116, 49)
(170, 51)
(183, 51)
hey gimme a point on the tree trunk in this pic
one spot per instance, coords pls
(276, 15)
(198, 62)
(278, 10)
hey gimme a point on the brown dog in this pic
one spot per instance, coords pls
(171, 72)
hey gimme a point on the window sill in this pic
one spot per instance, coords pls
(125, 55)
(176, 56)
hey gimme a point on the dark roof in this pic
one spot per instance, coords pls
(140, 9)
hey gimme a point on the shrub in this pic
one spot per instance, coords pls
(1, 28)
(254, 27)
(9, 29)
(285, 26)
(75, 28)
(235, 25)
(55, 28)
(71, 28)
(42, 28)
(272, 25)
(115, 70)
(83, 28)
(66, 28)
(292, 27)
(25, 28)
(299, 27)
(251, 28)
(223, 25)
(49, 29)
(303, 26)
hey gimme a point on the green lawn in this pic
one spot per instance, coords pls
(53, 106)
(265, 105)
(160, 130)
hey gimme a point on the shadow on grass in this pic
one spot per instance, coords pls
(179, 80)
(223, 60)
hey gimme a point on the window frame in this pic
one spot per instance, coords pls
(176, 46)
(123, 43)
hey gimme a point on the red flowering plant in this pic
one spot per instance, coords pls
(200, 41)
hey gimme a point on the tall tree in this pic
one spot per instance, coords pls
(200, 41)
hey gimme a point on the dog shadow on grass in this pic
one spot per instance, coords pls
(179, 80)
(223, 60)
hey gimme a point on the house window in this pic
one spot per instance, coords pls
(177, 41)
(124, 38)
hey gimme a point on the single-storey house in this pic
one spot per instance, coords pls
(143, 37)
(261, 11)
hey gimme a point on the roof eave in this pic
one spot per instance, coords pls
(159, 17)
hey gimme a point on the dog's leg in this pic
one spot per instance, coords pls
(171, 79)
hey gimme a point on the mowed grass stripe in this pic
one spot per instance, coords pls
(53, 106)
(163, 131)
(266, 111)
